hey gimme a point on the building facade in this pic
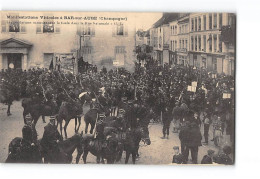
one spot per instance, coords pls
(195, 39)
(37, 44)
(112, 46)
(207, 50)
(34, 45)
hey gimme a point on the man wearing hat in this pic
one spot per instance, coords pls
(50, 139)
(208, 159)
(29, 132)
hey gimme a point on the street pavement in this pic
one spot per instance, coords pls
(159, 152)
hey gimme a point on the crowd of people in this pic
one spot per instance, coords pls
(158, 92)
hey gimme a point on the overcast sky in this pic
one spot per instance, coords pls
(146, 20)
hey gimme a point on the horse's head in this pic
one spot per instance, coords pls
(144, 133)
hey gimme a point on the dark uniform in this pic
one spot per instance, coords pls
(29, 133)
(177, 159)
(49, 140)
(206, 160)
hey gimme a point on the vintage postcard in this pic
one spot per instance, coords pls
(117, 87)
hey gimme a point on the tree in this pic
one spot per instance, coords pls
(228, 34)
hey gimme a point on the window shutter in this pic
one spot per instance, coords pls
(113, 30)
(39, 28)
(23, 28)
(93, 31)
(4, 25)
(125, 30)
(57, 29)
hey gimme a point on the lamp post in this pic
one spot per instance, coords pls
(73, 63)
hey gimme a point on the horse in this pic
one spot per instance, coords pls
(91, 117)
(102, 149)
(20, 151)
(67, 112)
(38, 109)
(133, 138)
(66, 149)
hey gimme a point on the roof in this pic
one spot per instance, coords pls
(15, 40)
(165, 19)
(183, 21)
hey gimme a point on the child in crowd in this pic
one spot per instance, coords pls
(177, 157)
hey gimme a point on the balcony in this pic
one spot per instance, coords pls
(181, 49)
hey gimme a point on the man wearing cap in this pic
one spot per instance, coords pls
(29, 132)
(29, 143)
(51, 137)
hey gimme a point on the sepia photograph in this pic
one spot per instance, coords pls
(144, 88)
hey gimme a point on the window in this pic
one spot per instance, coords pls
(210, 43)
(120, 29)
(204, 63)
(12, 25)
(192, 43)
(89, 30)
(204, 43)
(199, 28)
(192, 24)
(220, 20)
(175, 29)
(210, 21)
(215, 20)
(175, 46)
(179, 43)
(196, 24)
(180, 30)
(196, 43)
(48, 28)
(215, 43)
(182, 43)
(204, 22)
(199, 39)
(88, 50)
(120, 49)
(186, 43)
(214, 64)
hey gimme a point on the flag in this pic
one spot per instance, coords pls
(51, 65)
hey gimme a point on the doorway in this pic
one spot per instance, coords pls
(14, 60)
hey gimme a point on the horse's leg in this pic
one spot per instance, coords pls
(137, 149)
(8, 110)
(60, 122)
(86, 127)
(98, 159)
(92, 127)
(79, 119)
(85, 154)
(79, 153)
(127, 156)
(133, 157)
(65, 128)
(76, 120)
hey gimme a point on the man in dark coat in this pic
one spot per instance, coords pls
(29, 132)
(50, 139)
(167, 118)
(193, 143)
(183, 136)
